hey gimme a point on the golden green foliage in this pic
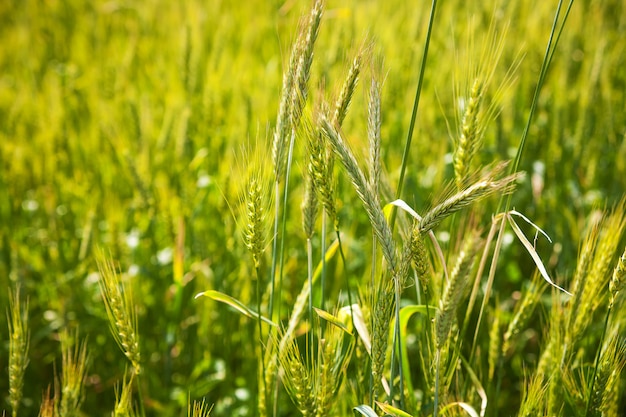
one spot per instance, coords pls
(121, 129)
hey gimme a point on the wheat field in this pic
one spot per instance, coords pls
(315, 208)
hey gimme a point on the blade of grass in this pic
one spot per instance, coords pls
(234, 303)
(418, 93)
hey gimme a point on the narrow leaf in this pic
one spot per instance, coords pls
(533, 253)
(365, 410)
(331, 319)
(465, 406)
(360, 325)
(405, 315)
(517, 213)
(234, 303)
(389, 409)
(404, 206)
(477, 385)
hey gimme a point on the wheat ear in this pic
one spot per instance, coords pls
(124, 398)
(384, 302)
(121, 312)
(369, 200)
(598, 276)
(73, 376)
(294, 91)
(523, 312)
(319, 169)
(373, 134)
(199, 409)
(255, 230)
(347, 90)
(610, 366)
(48, 406)
(455, 289)
(486, 186)
(19, 342)
(471, 135)
(298, 380)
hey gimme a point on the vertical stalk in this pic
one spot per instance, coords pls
(418, 92)
(323, 280)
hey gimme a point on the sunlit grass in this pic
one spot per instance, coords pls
(121, 129)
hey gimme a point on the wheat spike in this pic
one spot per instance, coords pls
(294, 90)
(298, 380)
(19, 342)
(455, 289)
(419, 256)
(73, 376)
(347, 90)
(598, 279)
(383, 310)
(471, 135)
(255, 232)
(309, 207)
(369, 200)
(486, 186)
(495, 343)
(199, 409)
(523, 312)
(373, 130)
(120, 310)
(320, 170)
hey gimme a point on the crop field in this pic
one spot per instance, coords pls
(317, 208)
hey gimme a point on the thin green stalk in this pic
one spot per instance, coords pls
(343, 261)
(547, 59)
(309, 255)
(372, 286)
(437, 370)
(282, 251)
(405, 157)
(323, 278)
(260, 327)
(274, 247)
(418, 92)
(397, 344)
(492, 274)
(283, 230)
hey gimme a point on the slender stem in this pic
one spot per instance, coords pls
(258, 307)
(283, 231)
(309, 252)
(547, 59)
(479, 274)
(281, 253)
(396, 343)
(345, 267)
(323, 278)
(492, 274)
(437, 366)
(372, 283)
(142, 411)
(274, 247)
(418, 92)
